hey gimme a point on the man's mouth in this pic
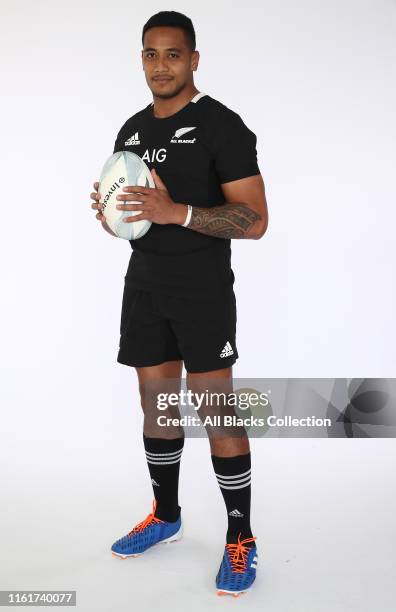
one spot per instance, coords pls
(162, 79)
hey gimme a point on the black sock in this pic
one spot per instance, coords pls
(163, 460)
(233, 476)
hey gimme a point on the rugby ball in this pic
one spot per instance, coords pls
(120, 170)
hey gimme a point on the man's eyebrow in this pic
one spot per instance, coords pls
(169, 49)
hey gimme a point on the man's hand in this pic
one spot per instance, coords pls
(156, 204)
(96, 206)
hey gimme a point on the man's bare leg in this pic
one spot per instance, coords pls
(219, 446)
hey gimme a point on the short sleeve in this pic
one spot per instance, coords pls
(234, 147)
(118, 142)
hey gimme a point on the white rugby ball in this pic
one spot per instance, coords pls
(120, 170)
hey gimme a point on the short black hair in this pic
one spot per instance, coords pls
(172, 19)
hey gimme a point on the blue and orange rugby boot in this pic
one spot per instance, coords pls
(146, 534)
(238, 568)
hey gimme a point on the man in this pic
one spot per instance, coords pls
(178, 303)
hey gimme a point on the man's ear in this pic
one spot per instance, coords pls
(195, 60)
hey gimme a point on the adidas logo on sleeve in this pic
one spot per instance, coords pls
(133, 140)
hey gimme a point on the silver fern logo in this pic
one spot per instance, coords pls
(180, 132)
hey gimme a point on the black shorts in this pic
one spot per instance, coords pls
(156, 327)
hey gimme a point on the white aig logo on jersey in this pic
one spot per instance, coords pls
(155, 155)
(176, 137)
(133, 140)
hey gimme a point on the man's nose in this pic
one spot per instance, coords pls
(161, 65)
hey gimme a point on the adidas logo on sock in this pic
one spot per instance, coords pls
(236, 514)
(227, 351)
(154, 483)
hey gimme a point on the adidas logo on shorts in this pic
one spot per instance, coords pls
(227, 351)
(154, 483)
(236, 514)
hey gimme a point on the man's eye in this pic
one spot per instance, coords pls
(151, 54)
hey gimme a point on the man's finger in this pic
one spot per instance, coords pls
(138, 189)
(96, 185)
(157, 180)
(135, 218)
(131, 207)
(130, 197)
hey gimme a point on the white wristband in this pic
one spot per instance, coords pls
(188, 218)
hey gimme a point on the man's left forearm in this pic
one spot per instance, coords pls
(225, 221)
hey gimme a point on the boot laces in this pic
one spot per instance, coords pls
(238, 554)
(149, 520)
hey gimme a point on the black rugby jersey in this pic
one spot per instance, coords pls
(194, 151)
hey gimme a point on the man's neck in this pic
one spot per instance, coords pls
(165, 107)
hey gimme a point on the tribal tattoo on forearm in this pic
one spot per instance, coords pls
(226, 221)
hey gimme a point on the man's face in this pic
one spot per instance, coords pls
(168, 61)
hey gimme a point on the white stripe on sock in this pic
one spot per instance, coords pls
(230, 482)
(236, 487)
(234, 476)
(178, 452)
(160, 462)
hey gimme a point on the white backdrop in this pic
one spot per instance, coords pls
(316, 295)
